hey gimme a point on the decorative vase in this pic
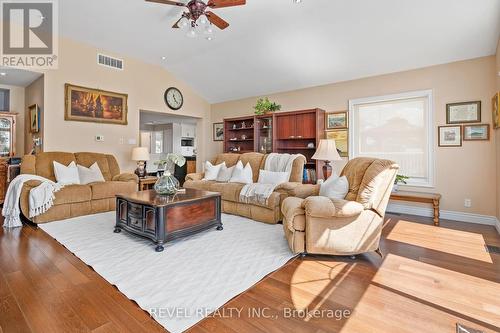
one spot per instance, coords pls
(167, 184)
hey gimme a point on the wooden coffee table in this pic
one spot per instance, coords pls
(163, 218)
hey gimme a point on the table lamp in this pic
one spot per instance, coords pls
(327, 151)
(141, 155)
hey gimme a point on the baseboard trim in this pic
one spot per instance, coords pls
(444, 214)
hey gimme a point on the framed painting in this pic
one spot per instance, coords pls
(341, 138)
(336, 120)
(495, 105)
(450, 136)
(479, 132)
(34, 114)
(98, 106)
(466, 112)
(218, 132)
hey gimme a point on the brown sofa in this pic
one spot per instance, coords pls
(76, 200)
(230, 192)
(320, 225)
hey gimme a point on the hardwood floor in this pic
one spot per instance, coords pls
(429, 279)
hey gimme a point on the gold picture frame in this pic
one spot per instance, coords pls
(495, 110)
(341, 138)
(93, 105)
(336, 120)
(34, 118)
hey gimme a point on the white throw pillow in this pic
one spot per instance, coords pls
(242, 174)
(66, 175)
(90, 175)
(334, 187)
(212, 171)
(225, 173)
(272, 177)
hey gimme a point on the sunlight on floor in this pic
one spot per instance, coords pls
(445, 288)
(461, 243)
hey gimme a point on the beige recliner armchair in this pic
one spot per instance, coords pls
(321, 225)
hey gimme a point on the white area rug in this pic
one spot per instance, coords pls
(193, 277)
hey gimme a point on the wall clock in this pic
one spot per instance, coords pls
(173, 98)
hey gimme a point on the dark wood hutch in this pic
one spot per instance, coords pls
(294, 132)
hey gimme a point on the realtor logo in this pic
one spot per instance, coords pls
(29, 34)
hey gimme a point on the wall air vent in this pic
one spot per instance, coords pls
(110, 62)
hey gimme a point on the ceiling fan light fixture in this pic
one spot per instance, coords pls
(209, 38)
(208, 30)
(202, 21)
(183, 23)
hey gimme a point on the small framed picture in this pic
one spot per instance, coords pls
(450, 136)
(479, 132)
(495, 105)
(34, 118)
(466, 112)
(341, 138)
(336, 120)
(218, 132)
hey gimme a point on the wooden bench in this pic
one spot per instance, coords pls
(432, 198)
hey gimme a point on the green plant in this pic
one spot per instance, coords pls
(400, 179)
(171, 159)
(264, 105)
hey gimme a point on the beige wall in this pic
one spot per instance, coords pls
(34, 94)
(461, 173)
(17, 106)
(497, 132)
(144, 84)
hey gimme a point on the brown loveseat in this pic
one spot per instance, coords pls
(76, 200)
(230, 192)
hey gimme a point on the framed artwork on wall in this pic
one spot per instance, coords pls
(98, 106)
(336, 120)
(34, 118)
(450, 136)
(341, 138)
(218, 134)
(479, 132)
(466, 112)
(495, 105)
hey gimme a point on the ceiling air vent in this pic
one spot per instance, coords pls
(110, 62)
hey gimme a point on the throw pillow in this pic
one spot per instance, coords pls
(90, 175)
(242, 174)
(334, 187)
(212, 171)
(225, 173)
(272, 177)
(66, 175)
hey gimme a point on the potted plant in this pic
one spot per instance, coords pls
(168, 184)
(400, 179)
(265, 106)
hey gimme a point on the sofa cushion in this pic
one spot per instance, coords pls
(230, 159)
(228, 191)
(87, 159)
(73, 194)
(111, 188)
(355, 170)
(199, 184)
(44, 163)
(256, 162)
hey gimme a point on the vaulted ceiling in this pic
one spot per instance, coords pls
(276, 45)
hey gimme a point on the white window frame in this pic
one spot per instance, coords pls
(353, 150)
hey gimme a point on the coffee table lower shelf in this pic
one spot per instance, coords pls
(164, 218)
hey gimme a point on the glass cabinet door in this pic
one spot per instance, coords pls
(265, 135)
(5, 137)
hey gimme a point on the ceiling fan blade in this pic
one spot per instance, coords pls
(216, 20)
(168, 2)
(175, 26)
(225, 3)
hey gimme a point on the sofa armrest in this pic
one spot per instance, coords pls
(292, 208)
(195, 176)
(304, 190)
(126, 177)
(288, 188)
(326, 207)
(24, 198)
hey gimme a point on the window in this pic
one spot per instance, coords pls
(396, 127)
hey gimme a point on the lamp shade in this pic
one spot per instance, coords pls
(327, 151)
(140, 154)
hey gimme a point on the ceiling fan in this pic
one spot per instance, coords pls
(197, 15)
